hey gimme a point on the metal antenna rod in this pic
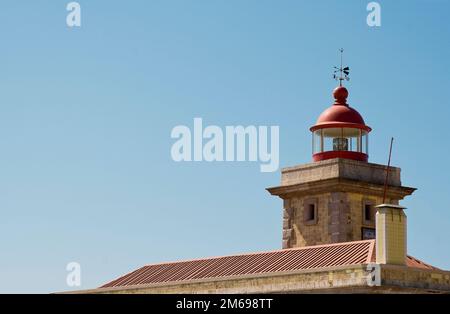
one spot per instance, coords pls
(387, 171)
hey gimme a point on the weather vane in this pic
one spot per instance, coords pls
(343, 72)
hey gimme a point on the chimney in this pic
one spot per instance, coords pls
(390, 234)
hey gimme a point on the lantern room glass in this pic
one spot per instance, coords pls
(340, 139)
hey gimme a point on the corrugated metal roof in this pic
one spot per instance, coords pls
(312, 257)
(415, 263)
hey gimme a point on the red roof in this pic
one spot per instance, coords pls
(340, 114)
(312, 257)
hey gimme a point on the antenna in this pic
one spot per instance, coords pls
(387, 171)
(343, 72)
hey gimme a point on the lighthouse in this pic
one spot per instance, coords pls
(335, 197)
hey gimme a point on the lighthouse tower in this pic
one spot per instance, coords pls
(334, 198)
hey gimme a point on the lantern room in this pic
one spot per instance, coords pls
(340, 131)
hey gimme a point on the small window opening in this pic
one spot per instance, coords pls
(311, 212)
(368, 212)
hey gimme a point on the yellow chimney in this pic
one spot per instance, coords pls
(390, 234)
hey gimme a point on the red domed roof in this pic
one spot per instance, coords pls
(340, 113)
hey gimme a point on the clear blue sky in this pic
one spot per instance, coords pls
(86, 116)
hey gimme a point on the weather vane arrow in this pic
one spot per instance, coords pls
(340, 74)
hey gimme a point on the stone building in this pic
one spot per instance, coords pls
(343, 230)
